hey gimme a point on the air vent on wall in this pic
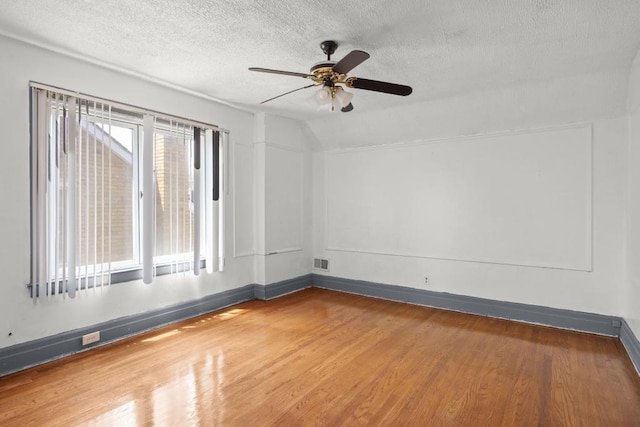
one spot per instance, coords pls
(321, 264)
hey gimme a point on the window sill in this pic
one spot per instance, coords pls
(126, 275)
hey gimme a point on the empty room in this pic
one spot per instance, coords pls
(320, 213)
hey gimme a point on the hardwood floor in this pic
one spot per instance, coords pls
(319, 357)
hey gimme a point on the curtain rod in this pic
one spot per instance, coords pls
(125, 106)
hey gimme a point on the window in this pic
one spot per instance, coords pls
(106, 205)
(174, 186)
(118, 192)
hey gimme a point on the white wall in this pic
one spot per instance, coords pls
(28, 319)
(574, 185)
(518, 198)
(283, 200)
(632, 291)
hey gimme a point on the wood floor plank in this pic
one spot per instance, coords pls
(320, 357)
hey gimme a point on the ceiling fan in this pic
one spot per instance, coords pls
(332, 76)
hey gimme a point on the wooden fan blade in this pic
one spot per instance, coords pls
(347, 108)
(377, 86)
(351, 61)
(286, 73)
(287, 93)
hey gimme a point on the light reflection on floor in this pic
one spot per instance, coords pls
(161, 336)
(121, 416)
(155, 402)
(164, 401)
(230, 314)
(186, 391)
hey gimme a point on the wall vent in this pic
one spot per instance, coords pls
(321, 264)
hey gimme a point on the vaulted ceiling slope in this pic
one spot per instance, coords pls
(441, 48)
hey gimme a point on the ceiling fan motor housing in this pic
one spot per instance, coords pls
(322, 73)
(327, 64)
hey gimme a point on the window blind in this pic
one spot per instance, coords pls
(115, 187)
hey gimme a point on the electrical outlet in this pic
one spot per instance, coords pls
(426, 280)
(91, 338)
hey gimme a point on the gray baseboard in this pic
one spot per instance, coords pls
(631, 344)
(36, 352)
(32, 353)
(284, 287)
(565, 319)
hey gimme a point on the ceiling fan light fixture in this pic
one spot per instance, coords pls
(323, 96)
(342, 96)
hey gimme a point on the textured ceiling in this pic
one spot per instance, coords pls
(440, 47)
